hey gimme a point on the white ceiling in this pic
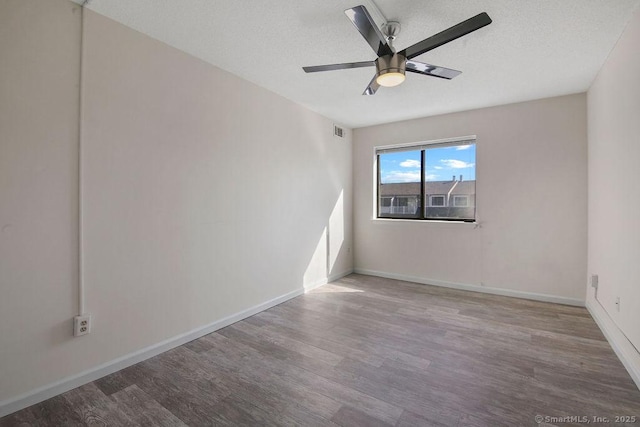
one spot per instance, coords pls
(533, 49)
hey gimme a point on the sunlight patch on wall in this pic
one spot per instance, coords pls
(336, 231)
(317, 269)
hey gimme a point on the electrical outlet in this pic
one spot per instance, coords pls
(81, 325)
(594, 281)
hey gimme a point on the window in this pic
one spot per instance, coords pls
(436, 200)
(428, 180)
(460, 201)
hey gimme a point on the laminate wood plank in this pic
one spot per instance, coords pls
(373, 330)
(255, 320)
(530, 353)
(18, 419)
(407, 361)
(547, 393)
(384, 302)
(235, 411)
(385, 354)
(548, 396)
(274, 350)
(277, 324)
(297, 346)
(143, 410)
(481, 397)
(176, 394)
(230, 360)
(461, 323)
(95, 408)
(368, 351)
(571, 344)
(367, 319)
(427, 349)
(467, 420)
(351, 417)
(413, 294)
(341, 377)
(375, 353)
(277, 403)
(619, 388)
(112, 383)
(254, 360)
(514, 318)
(124, 378)
(198, 345)
(191, 375)
(573, 380)
(600, 365)
(400, 397)
(409, 419)
(258, 393)
(53, 412)
(259, 390)
(417, 295)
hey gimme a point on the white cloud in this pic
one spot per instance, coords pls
(456, 164)
(462, 147)
(437, 167)
(431, 177)
(401, 176)
(410, 164)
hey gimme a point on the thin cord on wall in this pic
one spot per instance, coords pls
(81, 307)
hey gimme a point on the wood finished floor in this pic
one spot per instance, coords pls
(366, 351)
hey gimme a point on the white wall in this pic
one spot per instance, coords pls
(204, 195)
(614, 198)
(39, 42)
(531, 202)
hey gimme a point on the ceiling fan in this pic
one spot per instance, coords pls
(391, 65)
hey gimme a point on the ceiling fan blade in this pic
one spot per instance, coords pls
(431, 70)
(450, 34)
(372, 88)
(369, 30)
(330, 67)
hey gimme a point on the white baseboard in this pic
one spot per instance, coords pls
(38, 395)
(332, 278)
(623, 348)
(475, 288)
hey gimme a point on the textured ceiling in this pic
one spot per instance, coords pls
(533, 49)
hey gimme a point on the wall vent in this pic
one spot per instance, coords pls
(338, 131)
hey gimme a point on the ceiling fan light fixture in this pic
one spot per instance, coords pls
(390, 79)
(390, 70)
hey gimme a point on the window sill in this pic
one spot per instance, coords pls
(474, 224)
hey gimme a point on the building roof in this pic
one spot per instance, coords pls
(431, 187)
(464, 187)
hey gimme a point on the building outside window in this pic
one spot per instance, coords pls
(461, 201)
(437, 200)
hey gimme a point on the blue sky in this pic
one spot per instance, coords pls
(442, 164)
